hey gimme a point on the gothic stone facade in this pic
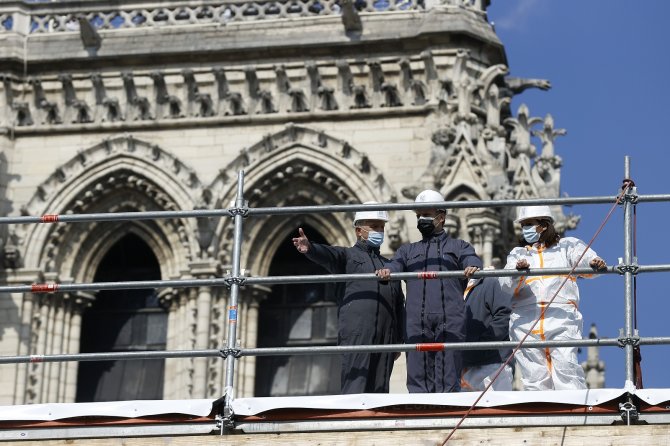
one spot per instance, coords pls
(158, 108)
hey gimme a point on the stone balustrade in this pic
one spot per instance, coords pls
(62, 16)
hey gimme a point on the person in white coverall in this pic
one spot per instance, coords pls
(547, 368)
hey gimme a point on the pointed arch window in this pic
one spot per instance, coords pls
(124, 320)
(298, 315)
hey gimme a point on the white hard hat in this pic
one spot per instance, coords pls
(429, 196)
(371, 215)
(527, 212)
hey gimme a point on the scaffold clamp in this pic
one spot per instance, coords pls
(225, 419)
(628, 412)
(623, 341)
(239, 210)
(234, 352)
(219, 423)
(230, 280)
(631, 194)
(622, 268)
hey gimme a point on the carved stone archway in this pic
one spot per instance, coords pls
(117, 175)
(296, 166)
(156, 179)
(336, 172)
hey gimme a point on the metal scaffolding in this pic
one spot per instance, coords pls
(627, 267)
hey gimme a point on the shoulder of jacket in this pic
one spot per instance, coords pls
(409, 246)
(356, 250)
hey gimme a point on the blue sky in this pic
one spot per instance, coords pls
(607, 61)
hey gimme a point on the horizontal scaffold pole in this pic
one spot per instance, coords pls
(324, 350)
(109, 356)
(115, 216)
(409, 206)
(265, 211)
(320, 278)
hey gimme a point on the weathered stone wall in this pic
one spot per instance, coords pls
(317, 107)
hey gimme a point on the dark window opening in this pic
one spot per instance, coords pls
(120, 321)
(298, 315)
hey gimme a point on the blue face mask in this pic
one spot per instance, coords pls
(530, 234)
(375, 239)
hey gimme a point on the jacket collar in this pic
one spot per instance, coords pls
(362, 244)
(439, 236)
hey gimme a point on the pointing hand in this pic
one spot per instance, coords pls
(301, 242)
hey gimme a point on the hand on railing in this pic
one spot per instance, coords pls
(384, 273)
(469, 271)
(522, 264)
(598, 264)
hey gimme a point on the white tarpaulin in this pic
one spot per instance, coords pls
(254, 406)
(124, 409)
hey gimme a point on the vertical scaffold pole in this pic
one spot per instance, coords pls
(628, 271)
(239, 213)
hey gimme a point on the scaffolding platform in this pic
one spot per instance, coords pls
(335, 413)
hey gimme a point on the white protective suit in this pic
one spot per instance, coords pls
(475, 379)
(547, 368)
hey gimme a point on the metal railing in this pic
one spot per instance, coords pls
(231, 352)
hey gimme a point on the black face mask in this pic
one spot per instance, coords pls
(426, 226)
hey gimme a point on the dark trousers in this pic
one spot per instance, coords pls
(432, 372)
(365, 372)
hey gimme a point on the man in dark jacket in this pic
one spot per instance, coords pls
(435, 308)
(371, 312)
(487, 310)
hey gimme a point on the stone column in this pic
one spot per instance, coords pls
(202, 270)
(245, 377)
(451, 225)
(182, 332)
(483, 228)
(168, 299)
(54, 343)
(190, 314)
(490, 234)
(78, 302)
(178, 328)
(217, 340)
(203, 313)
(27, 304)
(37, 374)
(25, 339)
(55, 347)
(475, 233)
(61, 384)
(182, 380)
